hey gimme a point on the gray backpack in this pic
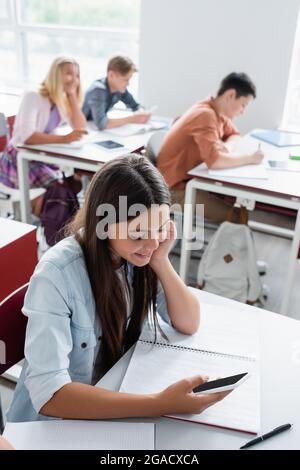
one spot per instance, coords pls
(228, 266)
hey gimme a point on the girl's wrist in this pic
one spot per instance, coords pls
(155, 405)
(71, 97)
(160, 264)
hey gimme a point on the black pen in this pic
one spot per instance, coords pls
(275, 431)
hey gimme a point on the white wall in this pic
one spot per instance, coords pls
(188, 46)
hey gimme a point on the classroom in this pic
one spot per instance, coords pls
(149, 226)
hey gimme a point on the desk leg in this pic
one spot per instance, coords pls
(23, 167)
(188, 216)
(291, 267)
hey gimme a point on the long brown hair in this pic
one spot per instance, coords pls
(135, 177)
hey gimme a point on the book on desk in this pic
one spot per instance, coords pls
(277, 137)
(127, 130)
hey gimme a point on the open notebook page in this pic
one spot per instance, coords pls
(214, 351)
(246, 171)
(239, 173)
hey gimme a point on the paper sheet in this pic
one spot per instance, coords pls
(80, 435)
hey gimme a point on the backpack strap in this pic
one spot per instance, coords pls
(237, 215)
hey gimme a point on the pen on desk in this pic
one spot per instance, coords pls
(262, 438)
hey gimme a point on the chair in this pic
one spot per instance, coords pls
(10, 197)
(154, 145)
(4, 132)
(12, 332)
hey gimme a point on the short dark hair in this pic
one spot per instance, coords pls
(240, 82)
(121, 64)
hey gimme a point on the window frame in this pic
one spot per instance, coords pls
(3, 21)
(19, 28)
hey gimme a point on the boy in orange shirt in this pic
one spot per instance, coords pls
(205, 133)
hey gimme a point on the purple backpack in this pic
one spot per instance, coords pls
(59, 206)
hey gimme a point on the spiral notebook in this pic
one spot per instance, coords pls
(214, 351)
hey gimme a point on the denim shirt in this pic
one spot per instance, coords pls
(99, 100)
(63, 332)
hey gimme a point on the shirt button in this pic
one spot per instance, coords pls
(83, 345)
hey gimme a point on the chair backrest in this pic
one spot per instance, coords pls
(3, 126)
(10, 122)
(12, 329)
(4, 132)
(154, 145)
(6, 129)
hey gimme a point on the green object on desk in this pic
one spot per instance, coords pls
(294, 157)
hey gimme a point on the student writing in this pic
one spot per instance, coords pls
(206, 133)
(104, 93)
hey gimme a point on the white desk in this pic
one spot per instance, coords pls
(280, 388)
(89, 157)
(281, 189)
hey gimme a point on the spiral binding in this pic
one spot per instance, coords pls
(199, 351)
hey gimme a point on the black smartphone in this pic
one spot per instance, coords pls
(222, 385)
(109, 144)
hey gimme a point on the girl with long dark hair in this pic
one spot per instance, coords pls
(90, 296)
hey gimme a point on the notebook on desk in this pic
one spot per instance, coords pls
(133, 129)
(277, 137)
(214, 351)
(241, 172)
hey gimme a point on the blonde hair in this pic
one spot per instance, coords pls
(52, 87)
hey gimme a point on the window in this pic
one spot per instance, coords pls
(33, 32)
(90, 13)
(7, 56)
(291, 115)
(4, 11)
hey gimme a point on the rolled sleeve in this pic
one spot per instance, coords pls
(129, 101)
(230, 129)
(41, 390)
(48, 337)
(210, 146)
(96, 101)
(207, 133)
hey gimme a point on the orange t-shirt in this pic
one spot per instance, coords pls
(195, 137)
